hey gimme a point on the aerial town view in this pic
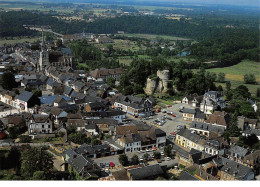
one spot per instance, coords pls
(129, 90)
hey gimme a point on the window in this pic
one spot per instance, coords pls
(43, 126)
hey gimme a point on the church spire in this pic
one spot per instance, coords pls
(43, 44)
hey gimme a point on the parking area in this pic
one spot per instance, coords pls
(171, 122)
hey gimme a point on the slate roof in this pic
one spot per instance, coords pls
(252, 131)
(189, 111)
(220, 118)
(25, 96)
(50, 99)
(131, 138)
(125, 129)
(66, 51)
(240, 151)
(146, 172)
(188, 135)
(185, 176)
(239, 171)
(38, 118)
(207, 127)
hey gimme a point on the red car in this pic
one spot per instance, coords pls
(111, 164)
(169, 106)
(173, 133)
(173, 115)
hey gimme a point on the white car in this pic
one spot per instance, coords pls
(168, 158)
(162, 153)
(147, 150)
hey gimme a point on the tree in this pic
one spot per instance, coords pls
(146, 156)
(8, 81)
(95, 141)
(219, 88)
(228, 85)
(111, 82)
(157, 155)
(168, 150)
(37, 93)
(249, 78)
(40, 175)
(34, 159)
(123, 159)
(59, 43)
(221, 77)
(13, 158)
(135, 160)
(258, 92)
(25, 139)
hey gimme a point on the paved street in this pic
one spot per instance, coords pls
(170, 125)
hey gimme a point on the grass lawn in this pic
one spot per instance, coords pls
(18, 40)
(127, 59)
(235, 74)
(166, 102)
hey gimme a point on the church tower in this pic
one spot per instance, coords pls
(44, 56)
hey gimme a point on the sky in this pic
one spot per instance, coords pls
(231, 2)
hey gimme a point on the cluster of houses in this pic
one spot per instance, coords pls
(75, 98)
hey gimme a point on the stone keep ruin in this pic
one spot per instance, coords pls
(158, 84)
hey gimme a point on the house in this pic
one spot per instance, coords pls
(146, 173)
(60, 102)
(131, 142)
(39, 124)
(83, 166)
(215, 147)
(205, 128)
(106, 125)
(212, 100)
(237, 153)
(231, 170)
(113, 114)
(253, 160)
(104, 40)
(193, 115)
(193, 100)
(186, 139)
(200, 173)
(253, 104)
(8, 97)
(26, 100)
(93, 151)
(185, 176)
(252, 131)
(152, 138)
(133, 105)
(105, 73)
(188, 99)
(246, 123)
(16, 121)
(94, 107)
(125, 130)
(219, 119)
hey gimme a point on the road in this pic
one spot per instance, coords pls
(23, 144)
(57, 161)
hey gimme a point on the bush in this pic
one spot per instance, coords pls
(249, 78)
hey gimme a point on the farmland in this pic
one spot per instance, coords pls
(236, 73)
(153, 37)
(18, 40)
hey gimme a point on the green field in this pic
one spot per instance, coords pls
(18, 40)
(236, 73)
(153, 36)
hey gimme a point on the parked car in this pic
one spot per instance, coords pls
(164, 111)
(107, 164)
(179, 127)
(168, 158)
(169, 118)
(162, 153)
(159, 160)
(147, 150)
(169, 106)
(173, 115)
(102, 165)
(111, 164)
(173, 133)
(170, 137)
